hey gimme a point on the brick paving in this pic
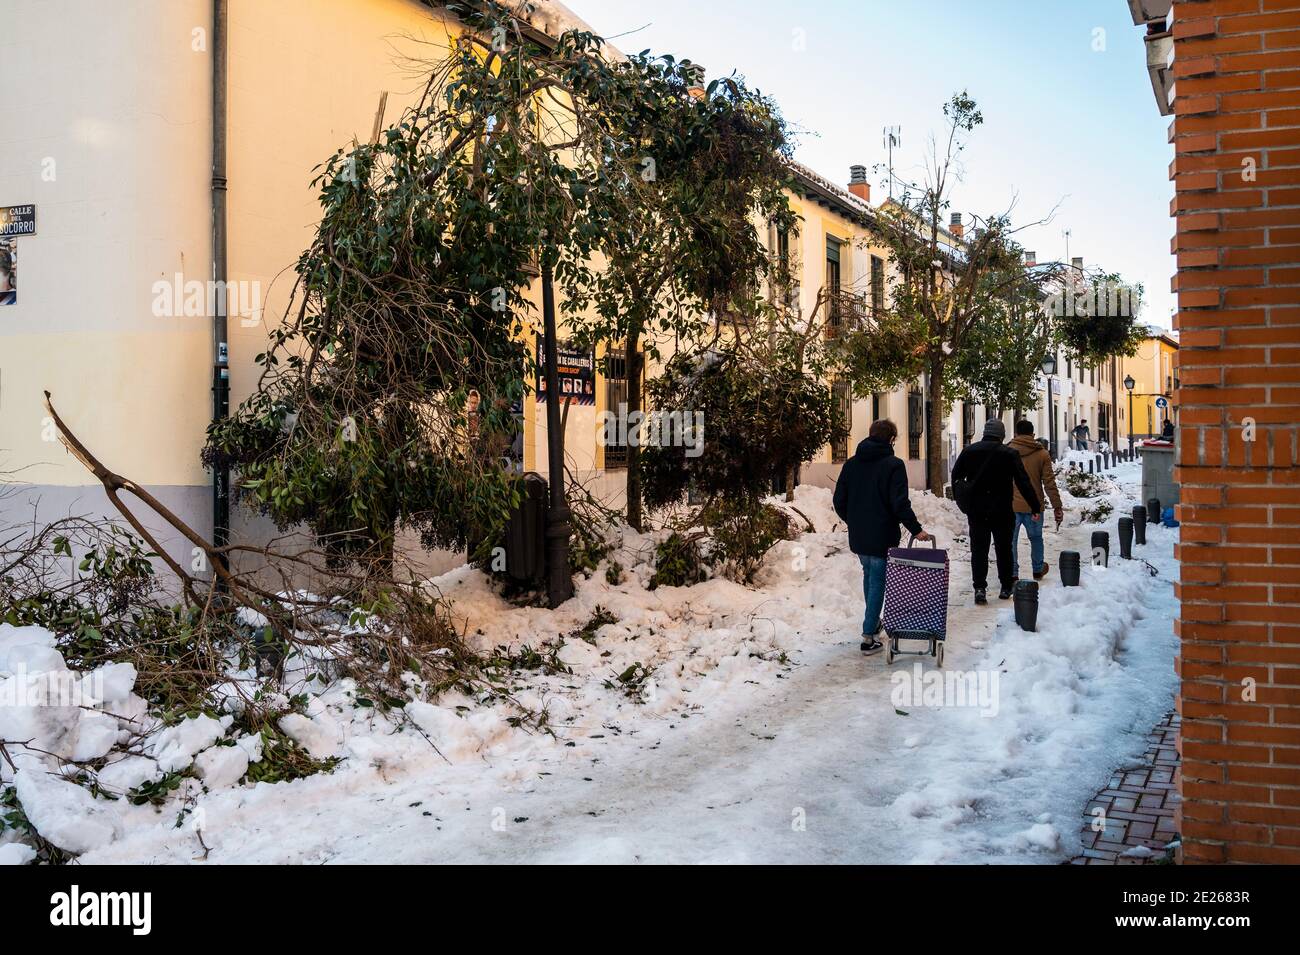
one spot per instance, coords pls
(1139, 803)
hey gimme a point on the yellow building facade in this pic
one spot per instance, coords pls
(1154, 370)
(120, 172)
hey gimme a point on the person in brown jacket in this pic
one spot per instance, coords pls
(1038, 465)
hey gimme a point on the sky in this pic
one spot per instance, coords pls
(1071, 130)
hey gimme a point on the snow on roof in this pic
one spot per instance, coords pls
(549, 16)
(553, 18)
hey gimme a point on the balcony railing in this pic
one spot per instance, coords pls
(847, 312)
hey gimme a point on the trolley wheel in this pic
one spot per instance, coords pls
(938, 653)
(889, 651)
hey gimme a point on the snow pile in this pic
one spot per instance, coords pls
(69, 733)
(1075, 456)
(680, 724)
(1072, 701)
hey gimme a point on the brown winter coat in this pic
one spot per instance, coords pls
(1038, 465)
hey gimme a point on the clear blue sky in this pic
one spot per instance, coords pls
(1063, 122)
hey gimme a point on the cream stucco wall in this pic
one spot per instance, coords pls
(115, 161)
(306, 77)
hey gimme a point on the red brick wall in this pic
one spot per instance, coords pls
(1236, 136)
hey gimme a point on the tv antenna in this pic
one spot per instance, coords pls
(893, 136)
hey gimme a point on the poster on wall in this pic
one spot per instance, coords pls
(577, 373)
(17, 220)
(14, 221)
(8, 272)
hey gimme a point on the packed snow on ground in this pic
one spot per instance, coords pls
(711, 723)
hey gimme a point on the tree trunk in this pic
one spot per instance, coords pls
(935, 478)
(559, 579)
(632, 367)
(789, 484)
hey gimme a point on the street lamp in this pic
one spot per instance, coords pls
(1049, 369)
(1129, 385)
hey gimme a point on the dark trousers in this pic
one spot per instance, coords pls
(1000, 528)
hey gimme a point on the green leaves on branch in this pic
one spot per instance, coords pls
(760, 422)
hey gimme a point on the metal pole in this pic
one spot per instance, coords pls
(1051, 417)
(559, 582)
(220, 346)
(1130, 423)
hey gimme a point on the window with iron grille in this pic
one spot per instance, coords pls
(915, 422)
(843, 397)
(615, 403)
(967, 423)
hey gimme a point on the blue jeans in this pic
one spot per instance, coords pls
(1034, 528)
(873, 589)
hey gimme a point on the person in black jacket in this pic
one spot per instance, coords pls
(871, 498)
(994, 467)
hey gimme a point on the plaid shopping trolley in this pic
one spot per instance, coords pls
(916, 599)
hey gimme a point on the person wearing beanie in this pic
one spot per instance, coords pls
(1038, 465)
(993, 470)
(871, 498)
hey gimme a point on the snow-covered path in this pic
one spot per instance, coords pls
(831, 758)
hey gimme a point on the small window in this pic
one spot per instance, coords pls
(877, 284)
(915, 422)
(843, 398)
(616, 396)
(833, 317)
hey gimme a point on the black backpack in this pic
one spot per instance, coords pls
(963, 489)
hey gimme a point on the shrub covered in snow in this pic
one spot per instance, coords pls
(1082, 483)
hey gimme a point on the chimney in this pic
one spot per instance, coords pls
(1077, 263)
(1031, 259)
(695, 74)
(955, 226)
(858, 184)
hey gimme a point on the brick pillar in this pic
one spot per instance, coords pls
(1236, 136)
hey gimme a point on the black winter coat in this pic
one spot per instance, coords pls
(992, 493)
(871, 498)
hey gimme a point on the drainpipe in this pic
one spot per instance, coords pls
(1114, 403)
(220, 347)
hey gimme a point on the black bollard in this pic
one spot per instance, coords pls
(1140, 525)
(1025, 602)
(1153, 510)
(1099, 464)
(1069, 560)
(1101, 548)
(1089, 467)
(1126, 538)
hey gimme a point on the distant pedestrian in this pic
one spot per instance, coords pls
(1167, 430)
(1038, 467)
(983, 479)
(1082, 435)
(871, 498)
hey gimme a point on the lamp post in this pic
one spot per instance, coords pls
(1129, 385)
(1049, 369)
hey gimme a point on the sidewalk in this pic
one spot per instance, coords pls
(1139, 805)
